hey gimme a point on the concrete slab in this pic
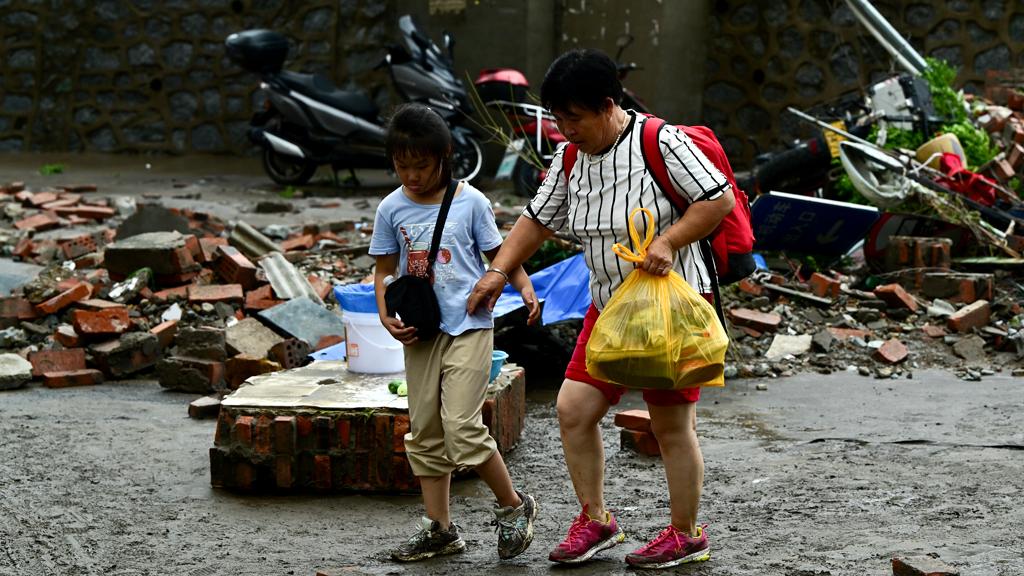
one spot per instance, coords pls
(16, 274)
(323, 384)
(250, 337)
(302, 318)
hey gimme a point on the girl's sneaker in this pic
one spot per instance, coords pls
(671, 548)
(515, 526)
(587, 537)
(430, 541)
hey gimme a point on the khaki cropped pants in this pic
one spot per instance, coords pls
(447, 383)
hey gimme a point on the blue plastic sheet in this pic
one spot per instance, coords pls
(563, 287)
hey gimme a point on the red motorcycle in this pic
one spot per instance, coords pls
(530, 130)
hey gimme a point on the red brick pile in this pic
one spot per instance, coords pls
(101, 318)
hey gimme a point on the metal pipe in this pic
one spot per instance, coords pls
(897, 46)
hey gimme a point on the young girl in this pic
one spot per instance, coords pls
(446, 375)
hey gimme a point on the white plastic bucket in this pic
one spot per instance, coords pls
(369, 346)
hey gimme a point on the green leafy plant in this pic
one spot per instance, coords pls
(51, 169)
(978, 145)
(948, 102)
(288, 192)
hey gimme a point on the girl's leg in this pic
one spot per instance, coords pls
(495, 474)
(435, 498)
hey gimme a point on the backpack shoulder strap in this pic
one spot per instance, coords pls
(569, 160)
(654, 161)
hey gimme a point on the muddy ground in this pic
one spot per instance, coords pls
(816, 475)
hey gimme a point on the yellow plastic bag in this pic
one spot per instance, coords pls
(656, 331)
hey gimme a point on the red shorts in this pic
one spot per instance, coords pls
(577, 370)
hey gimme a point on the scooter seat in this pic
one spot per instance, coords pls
(321, 88)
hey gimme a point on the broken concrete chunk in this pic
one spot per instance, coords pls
(784, 345)
(922, 566)
(304, 319)
(15, 371)
(250, 337)
(163, 252)
(203, 342)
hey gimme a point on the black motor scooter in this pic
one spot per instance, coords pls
(307, 121)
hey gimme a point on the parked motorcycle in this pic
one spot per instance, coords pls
(534, 134)
(307, 121)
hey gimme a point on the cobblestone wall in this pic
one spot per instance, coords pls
(143, 75)
(766, 55)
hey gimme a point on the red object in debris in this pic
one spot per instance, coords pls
(68, 378)
(643, 442)
(639, 420)
(79, 291)
(892, 352)
(970, 184)
(108, 322)
(44, 361)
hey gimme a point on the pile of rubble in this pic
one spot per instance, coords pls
(925, 315)
(204, 305)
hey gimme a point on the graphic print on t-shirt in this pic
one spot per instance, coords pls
(417, 239)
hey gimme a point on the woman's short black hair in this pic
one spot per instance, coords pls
(584, 77)
(416, 130)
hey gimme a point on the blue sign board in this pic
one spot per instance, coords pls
(809, 225)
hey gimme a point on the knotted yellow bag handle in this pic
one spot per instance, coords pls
(641, 254)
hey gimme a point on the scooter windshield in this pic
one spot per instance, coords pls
(434, 56)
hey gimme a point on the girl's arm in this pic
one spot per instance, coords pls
(387, 265)
(520, 280)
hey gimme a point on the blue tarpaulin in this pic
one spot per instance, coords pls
(563, 287)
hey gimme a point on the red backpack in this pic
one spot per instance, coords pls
(732, 242)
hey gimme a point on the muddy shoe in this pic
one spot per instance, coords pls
(671, 548)
(515, 527)
(430, 541)
(587, 537)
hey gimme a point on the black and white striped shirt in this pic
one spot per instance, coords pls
(602, 191)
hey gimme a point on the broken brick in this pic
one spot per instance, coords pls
(126, 355)
(922, 566)
(171, 294)
(24, 248)
(760, 321)
(208, 248)
(958, 287)
(235, 268)
(38, 222)
(974, 315)
(642, 442)
(303, 242)
(89, 212)
(80, 291)
(190, 374)
(15, 309)
(895, 296)
(56, 360)
(205, 407)
(291, 353)
(98, 304)
(844, 333)
(215, 293)
(328, 341)
(639, 420)
(933, 331)
(78, 246)
(261, 298)
(892, 352)
(750, 287)
(66, 336)
(40, 198)
(165, 332)
(823, 286)
(243, 366)
(83, 377)
(108, 322)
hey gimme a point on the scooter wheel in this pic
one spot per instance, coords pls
(467, 160)
(287, 170)
(525, 178)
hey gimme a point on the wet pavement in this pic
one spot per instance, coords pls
(816, 475)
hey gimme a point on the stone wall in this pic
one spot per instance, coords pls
(142, 75)
(766, 55)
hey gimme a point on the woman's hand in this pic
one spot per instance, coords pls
(660, 255)
(398, 331)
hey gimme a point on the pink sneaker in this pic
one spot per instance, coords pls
(671, 548)
(586, 538)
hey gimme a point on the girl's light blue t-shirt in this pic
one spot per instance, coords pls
(406, 228)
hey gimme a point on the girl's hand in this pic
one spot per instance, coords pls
(399, 332)
(532, 304)
(659, 257)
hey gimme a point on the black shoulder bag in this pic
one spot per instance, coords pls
(412, 298)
